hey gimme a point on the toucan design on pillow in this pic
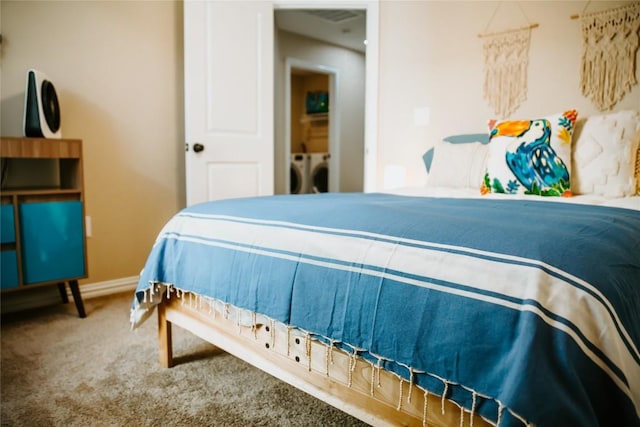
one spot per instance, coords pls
(531, 156)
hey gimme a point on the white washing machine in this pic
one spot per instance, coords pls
(299, 180)
(319, 172)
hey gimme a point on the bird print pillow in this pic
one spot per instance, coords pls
(530, 156)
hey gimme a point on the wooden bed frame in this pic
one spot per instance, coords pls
(345, 381)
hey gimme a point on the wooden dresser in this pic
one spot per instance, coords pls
(43, 241)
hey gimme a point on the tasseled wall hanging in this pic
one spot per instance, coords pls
(506, 61)
(610, 42)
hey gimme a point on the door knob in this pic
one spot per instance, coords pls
(198, 147)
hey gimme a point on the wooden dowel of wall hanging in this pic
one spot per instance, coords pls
(534, 25)
(576, 16)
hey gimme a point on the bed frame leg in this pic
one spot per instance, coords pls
(164, 338)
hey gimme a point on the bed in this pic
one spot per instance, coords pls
(430, 306)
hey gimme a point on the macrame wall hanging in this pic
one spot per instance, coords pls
(506, 61)
(610, 43)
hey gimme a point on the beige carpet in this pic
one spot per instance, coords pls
(60, 370)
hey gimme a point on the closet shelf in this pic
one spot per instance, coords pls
(318, 117)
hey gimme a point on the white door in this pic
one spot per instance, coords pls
(228, 99)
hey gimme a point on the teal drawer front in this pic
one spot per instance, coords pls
(7, 227)
(52, 241)
(8, 270)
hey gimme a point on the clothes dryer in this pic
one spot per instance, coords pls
(319, 172)
(299, 180)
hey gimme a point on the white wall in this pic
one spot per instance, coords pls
(431, 56)
(350, 65)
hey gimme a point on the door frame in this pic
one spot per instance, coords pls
(371, 78)
(334, 121)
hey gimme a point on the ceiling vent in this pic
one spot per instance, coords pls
(335, 16)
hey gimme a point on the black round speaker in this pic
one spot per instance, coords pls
(50, 105)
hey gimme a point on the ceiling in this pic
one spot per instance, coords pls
(342, 27)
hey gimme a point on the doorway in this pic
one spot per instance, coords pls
(244, 115)
(312, 127)
(351, 152)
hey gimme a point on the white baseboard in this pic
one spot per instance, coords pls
(49, 295)
(108, 287)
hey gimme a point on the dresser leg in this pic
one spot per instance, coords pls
(77, 298)
(63, 293)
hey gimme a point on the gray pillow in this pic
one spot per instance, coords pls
(483, 138)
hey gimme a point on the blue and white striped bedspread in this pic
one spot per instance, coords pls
(534, 305)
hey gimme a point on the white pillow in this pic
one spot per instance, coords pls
(604, 154)
(458, 165)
